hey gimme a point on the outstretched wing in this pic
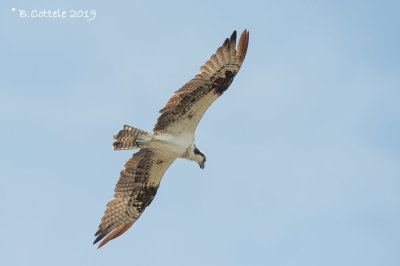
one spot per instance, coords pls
(135, 190)
(186, 107)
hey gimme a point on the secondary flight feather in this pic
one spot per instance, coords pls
(172, 138)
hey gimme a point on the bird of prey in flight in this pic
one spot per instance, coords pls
(172, 138)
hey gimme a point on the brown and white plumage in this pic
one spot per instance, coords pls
(186, 107)
(173, 138)
(136, 188)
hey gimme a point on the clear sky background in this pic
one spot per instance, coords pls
(303, 150)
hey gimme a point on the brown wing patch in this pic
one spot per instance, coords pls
(214, 79)
(135, 190)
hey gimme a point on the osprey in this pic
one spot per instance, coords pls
(172, 137)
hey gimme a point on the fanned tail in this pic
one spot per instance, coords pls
(126, 138)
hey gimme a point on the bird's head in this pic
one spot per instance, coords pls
(199, 157)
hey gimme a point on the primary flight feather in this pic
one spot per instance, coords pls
(172, 137)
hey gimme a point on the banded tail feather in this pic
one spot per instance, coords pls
(126, 138)
(172, 138)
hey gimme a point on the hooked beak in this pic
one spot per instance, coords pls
(202, 164)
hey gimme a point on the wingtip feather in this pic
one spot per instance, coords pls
(243, 44)
(114, 234)
(233, 36)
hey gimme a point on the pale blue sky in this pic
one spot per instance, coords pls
(303, 150)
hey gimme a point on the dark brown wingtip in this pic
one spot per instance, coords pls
(232, 40)
(242, 46)
(226, 43)
(233, 36)
(98, 238)
(114, 234)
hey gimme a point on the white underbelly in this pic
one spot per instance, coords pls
(171, 144)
